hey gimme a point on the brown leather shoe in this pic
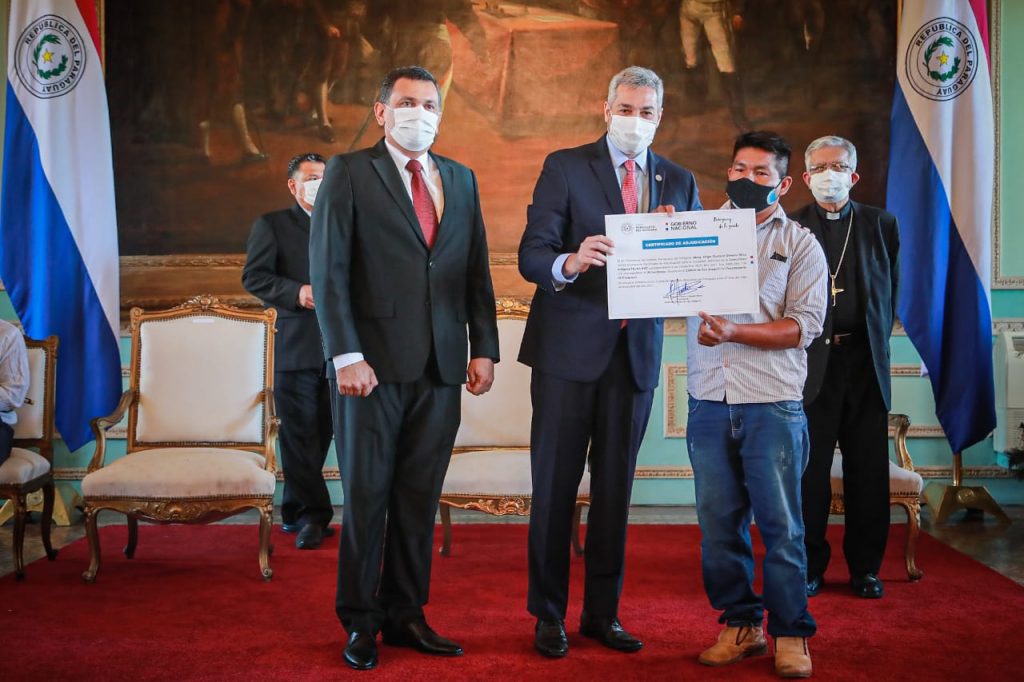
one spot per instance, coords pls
(734, 644)
(792, 658)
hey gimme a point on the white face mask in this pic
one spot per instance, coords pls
(830, 187)
(631, 135)
(415, 128)
(309, 190)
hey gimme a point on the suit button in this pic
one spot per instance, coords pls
(828, 341)
(430, 264)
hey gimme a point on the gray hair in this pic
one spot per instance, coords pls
(831, 141)
(636, 77)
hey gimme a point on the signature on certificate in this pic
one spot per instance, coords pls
(677, 289)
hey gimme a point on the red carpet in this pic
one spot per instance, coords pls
(191, 606)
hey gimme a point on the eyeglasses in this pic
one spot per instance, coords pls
(837, 166)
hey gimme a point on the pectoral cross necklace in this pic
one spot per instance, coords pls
(832, 275)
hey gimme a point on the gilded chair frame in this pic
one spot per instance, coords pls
(17, 492)
(508, 308)
(900, 424)
(192, 510)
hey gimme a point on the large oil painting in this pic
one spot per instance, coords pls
(210, 98)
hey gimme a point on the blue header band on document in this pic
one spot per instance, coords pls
(679, 243)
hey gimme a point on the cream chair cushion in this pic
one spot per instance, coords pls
(30, 414)
(500, 417)
(196, 381)
(490, 473)
(181, 473)
(901, 481)
(22, 467)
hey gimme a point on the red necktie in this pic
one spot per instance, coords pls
(422, 203)
(629, 196)
(630, 199)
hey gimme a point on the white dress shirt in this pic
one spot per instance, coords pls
(432, 178)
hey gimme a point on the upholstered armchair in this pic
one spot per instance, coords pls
(905, 487)
(490, 467)
(27, 471)
(201, 425)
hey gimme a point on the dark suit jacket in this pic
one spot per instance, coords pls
(380, 291)
(876, 241)
(276, 266)
(568, 333)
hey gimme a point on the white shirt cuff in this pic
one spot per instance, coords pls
(557, 278)
(346, 359)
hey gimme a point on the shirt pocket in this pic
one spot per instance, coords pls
(773, 279)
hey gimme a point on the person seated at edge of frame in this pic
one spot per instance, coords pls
(277, 272)
(14, 380)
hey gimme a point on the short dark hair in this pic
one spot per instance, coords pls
(770, 142)
(415, 73)
(299, 159)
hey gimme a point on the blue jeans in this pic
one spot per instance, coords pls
(748, 460)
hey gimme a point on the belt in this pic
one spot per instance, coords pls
(844, 339)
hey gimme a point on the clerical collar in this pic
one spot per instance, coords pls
(844, 212)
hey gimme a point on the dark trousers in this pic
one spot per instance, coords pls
(393, 452)
(848, 410)
(304, 407)
(6, 441)
(610, 415)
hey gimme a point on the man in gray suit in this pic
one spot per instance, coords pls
(399, 266)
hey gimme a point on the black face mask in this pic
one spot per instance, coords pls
(745, 193)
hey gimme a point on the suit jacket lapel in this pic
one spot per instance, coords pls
(448, 189)
(862, 247)
(601, 163)
(656, 183)
(385, 167)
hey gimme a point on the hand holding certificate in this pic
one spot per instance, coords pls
(676, 265)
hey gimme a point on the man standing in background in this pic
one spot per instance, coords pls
(849, 389)
(277, 272)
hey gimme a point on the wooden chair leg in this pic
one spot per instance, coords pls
(92, 533)
(266, 522)
(133, 536)
(20, 513)
(577, 514)
(913, 530)
(49, 493)
(446, 529)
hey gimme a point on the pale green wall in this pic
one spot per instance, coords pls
(911, 395)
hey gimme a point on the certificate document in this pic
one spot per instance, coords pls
(678, 265)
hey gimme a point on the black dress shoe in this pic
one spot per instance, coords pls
(550, 638)
(361, 651)
(296, 527)
(310, 537)
(814, 584)
(609, 632)
(867, 586)
(418, 635)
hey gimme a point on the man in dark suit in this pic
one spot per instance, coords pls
(593, 378)
(277, 272)
(400, 271)
(848, 391)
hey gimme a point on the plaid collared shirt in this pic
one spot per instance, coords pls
(793, 283)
